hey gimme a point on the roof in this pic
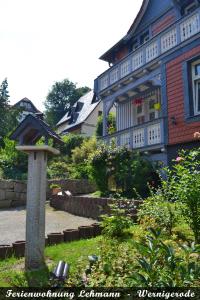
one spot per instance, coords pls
(27, 101)
(80, 111)
(31, 129)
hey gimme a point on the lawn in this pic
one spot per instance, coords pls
(75, 253)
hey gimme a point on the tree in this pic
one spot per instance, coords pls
(4, 106)
(60, 98)
(111, 124)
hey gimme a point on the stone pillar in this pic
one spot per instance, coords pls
(35, 216)
(35, 206)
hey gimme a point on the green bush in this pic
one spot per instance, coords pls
(58, 169)
(111, 124)
(149, 263)
(13, 163)
(158, 264)
(184, 182)
(156, 212)
(115, 224)
(80, 167)
(121, 170)
(71, 141)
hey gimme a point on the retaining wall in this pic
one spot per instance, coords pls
(13, 192)
(89, 207)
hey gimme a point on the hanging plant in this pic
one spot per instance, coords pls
(138, 101)
(157, 106)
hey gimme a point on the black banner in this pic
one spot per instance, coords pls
(100, 293)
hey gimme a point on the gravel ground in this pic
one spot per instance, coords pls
(13, 220)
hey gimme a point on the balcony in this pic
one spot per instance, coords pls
(147, 135)
(157, 47)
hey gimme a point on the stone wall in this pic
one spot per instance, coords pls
(13, 192)
(84, 206)
(90, 207)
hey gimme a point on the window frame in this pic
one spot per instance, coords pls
(190, 115)
(195, 82)
(188, 9)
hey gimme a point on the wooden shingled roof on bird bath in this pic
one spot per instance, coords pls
(30, 130)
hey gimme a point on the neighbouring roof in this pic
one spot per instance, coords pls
(32, 107)
(31, 129)
(79, 112)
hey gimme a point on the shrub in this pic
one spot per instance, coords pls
(184, 181)
(122, 170)
(111, 124)
(58, 169)
(13, 163)
(149, 263)
(71, 141)
(115, 224)
(156, 212)
(160, 266)
(80, 167)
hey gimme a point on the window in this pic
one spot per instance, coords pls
(196, 87)
(140, 114)
(153, 113)
(144, 38)
(135, 45)
(189, 8)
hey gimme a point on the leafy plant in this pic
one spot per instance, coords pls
(115, 224)
(184, 181)
(160, 266)
(13, 163)
(58, 169)
(55, 186)
(121, 170)
(80, 167)
(148, 263)
(156, 212)
(71, 141)
(111, 124)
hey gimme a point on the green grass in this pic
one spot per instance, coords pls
(74, 253)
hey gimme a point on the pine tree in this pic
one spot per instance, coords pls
(4, 106)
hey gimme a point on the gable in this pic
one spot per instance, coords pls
(150, 11)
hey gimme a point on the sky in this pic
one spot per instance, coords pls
(44, 41)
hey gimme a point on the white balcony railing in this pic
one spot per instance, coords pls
(175, 34)
(154, 134)
(149, 134)
(138, 138)
(169, 40)
(189, 27)
(152, 51)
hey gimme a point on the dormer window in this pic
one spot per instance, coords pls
(144, 38)
(189, 7)
(135, 45)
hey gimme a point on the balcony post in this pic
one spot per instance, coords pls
(105, 117)
(146, 136)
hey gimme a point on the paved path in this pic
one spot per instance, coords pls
(12, 223)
